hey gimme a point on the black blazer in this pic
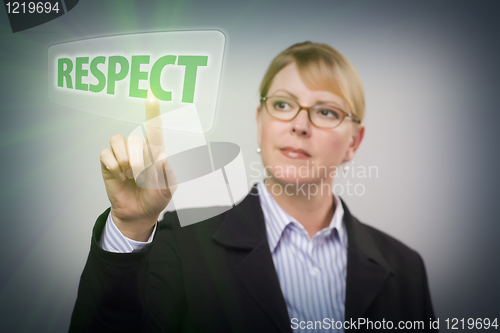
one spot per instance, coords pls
(218, 276)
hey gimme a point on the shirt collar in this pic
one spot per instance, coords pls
(277, 219)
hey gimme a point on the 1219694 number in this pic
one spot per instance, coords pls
(32, 7)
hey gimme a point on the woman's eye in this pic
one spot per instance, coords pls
(329, 113)
(280, 105)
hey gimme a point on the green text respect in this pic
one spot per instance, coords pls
(118, 69)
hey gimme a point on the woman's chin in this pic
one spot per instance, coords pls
(297, 181)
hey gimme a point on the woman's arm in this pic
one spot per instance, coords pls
(131, 292)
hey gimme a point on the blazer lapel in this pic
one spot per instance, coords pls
(366, 268)
(243, 233)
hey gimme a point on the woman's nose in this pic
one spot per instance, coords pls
(301, 125)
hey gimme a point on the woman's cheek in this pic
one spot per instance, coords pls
(332, 151)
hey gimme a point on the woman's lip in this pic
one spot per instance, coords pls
(294, 153)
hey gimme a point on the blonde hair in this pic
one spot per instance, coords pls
(321, 67)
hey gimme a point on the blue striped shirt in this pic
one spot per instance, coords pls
(311, 272)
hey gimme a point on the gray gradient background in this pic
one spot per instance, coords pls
(431, 75)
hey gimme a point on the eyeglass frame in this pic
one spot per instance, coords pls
(345, 114)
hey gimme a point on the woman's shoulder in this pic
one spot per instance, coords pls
(395, 252)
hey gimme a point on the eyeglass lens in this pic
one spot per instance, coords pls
(321, 115)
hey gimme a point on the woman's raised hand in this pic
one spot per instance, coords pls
(139, 180)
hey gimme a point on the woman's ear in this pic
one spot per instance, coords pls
(259, 130)
(355, 140)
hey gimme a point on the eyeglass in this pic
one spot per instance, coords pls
(325, 116)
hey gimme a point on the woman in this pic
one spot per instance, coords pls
(289, 257)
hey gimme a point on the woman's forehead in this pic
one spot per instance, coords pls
(289, 82)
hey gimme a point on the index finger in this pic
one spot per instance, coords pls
(153, 126)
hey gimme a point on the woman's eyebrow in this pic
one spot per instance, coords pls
(319, 102)
(287, 92)
(329, 103)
